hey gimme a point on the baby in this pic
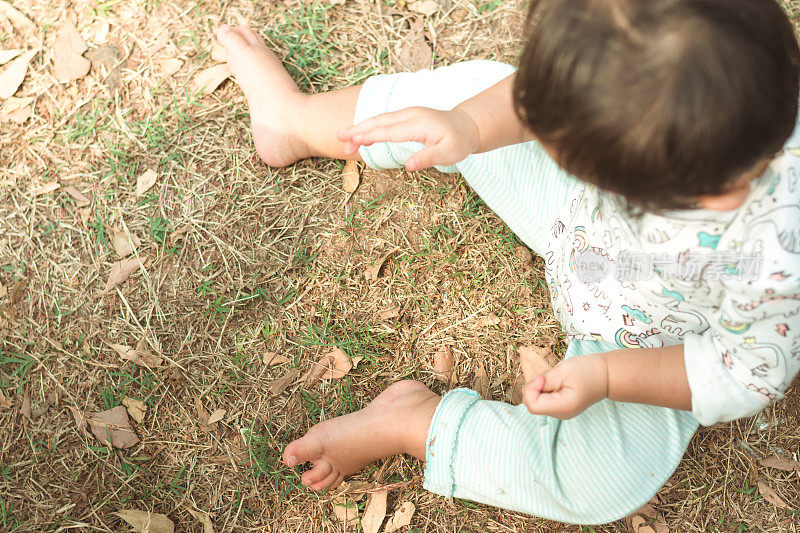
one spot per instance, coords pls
(639, 148)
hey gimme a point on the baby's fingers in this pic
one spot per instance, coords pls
(378, 121)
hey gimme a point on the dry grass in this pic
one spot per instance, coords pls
(243, 259)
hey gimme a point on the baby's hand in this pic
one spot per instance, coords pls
(448, 136)
(568, 389)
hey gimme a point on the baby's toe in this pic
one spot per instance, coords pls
(249, 35)
(231, 39)
(329, 481)
(322, 469)
(304, 449)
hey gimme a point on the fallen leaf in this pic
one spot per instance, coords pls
(332, 365)
(204, 518)
(372, 272)
(139, 355)
(206, 81)
(47, 188)
(216, 416)
(16, 110)
(524, 255)
(136, 408)
(8, 55)
(345, 510)
(388, 314)
(515, 396)
(105, 60)
(113, 427)
(639, 525)
(481, 382)
(16, 17)
(489, 320)
(147, 522)
(279, 385)
(121, 244)
(534, 361)
(351, 177)
(14, 74)
(25, 408)
(80, 199)
(271, 358)
(401, 518)
(170, 66)
(425, 7)
(770, 495)
(780, 463)
(5, 402)
(51, 399)
(145, 181)
(374, 512)
(80, 420)
(122, 270)
(443, 363)
(68, 50)
(417, 54)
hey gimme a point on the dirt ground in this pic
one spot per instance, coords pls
(229, 260)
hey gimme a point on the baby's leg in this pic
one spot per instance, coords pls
(287, 124)
(395, 422)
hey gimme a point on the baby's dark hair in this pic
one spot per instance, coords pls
(661, 101)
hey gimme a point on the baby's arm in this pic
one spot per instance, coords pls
(654, 376)
(480, 124)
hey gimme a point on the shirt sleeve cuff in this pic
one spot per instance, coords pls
(717, 396)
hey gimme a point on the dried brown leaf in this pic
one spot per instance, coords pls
(443, 363)
(47, 188)
(147, 522)
(68, 50)
(25, 408)
(5, 402)
(279, 385)
(639, 525)
(80, 199)
(204, 518)
(524, 255)
(534, 361)
(515, 396)
(216, 416)
(145, 181)
(425, 7)
(345, 510)
(351, 177)
(122, 270)
(388, 314)
(271, 358)
(16, 17)
(206, 81)
(170, 65)
(780, 463)
(113, 427)
(121, 244)
(8, 55)
(401, 518)
(16, 110)
(332, 365)
(14, 74)
(374, 512)
(139, 355)
(481, 382)
(372, 272)
(136, 408)
(489, 320)
(770, 495)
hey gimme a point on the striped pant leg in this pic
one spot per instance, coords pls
(595, 468)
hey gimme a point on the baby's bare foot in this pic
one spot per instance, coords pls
(395, 422)
(274, 99)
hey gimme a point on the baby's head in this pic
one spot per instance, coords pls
(662, 101)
